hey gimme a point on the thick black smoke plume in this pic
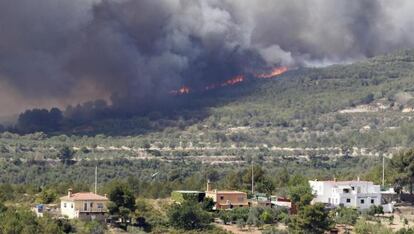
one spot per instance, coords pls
(57, 52)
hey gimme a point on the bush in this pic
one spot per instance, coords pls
(373, 210)
(364, 227)
(311, 219)
(189, 215)
(47, 196)
(266, 217)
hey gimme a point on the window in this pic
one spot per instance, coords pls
(100, 206)
(221, 197)
(329, 200)
(91, 204)
(362, 201)
(71, 205)
(348, 200)
(64, 205)
(353, 188)
(372, 201)
(85, 206)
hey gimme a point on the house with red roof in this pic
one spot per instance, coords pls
(84, 205)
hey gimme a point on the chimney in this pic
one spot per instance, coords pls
(208, 185)
(69, 192)
(105, 195)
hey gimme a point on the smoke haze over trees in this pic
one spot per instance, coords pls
(58, 52)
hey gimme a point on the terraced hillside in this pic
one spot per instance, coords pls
(360, 109)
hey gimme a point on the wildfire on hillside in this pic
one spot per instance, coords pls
(181, 91)
(233, 81)
(275, 72)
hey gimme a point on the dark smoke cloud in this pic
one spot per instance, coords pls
(138, 50)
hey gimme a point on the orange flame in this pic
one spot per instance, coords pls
(181, 91)
(234, 80)
(275, 72)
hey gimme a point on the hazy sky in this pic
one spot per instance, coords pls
(57, 52)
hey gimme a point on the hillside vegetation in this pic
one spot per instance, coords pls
(368, 104)
(310, 115)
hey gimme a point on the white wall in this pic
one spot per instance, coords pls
(331, 192)
(69, 210)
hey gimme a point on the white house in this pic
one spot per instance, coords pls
(357, 194)
(86, 206)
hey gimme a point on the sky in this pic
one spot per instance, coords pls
(60, 52)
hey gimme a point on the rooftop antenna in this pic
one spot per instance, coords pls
(96, 178)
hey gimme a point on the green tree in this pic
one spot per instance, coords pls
(346, 216)
(121, 195)
(224, 216)
(373, 210)
(207, 204)
(189, 215)
(49, 225)
(66, 154)
(266, 217)
(95, 227)
(258, 172)
(311, 219)
(18, 221)
(301, 194)
(403, 164)
(122, 201)
(265, 186)
(253, 218)
(47, 196)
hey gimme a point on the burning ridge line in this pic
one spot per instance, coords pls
(183, 90)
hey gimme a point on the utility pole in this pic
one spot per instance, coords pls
(252, 179)
(383, 171)
(96, 178)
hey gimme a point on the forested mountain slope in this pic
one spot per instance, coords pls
(365, 108)
(308, 115)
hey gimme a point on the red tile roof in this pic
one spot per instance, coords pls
(84, 196)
